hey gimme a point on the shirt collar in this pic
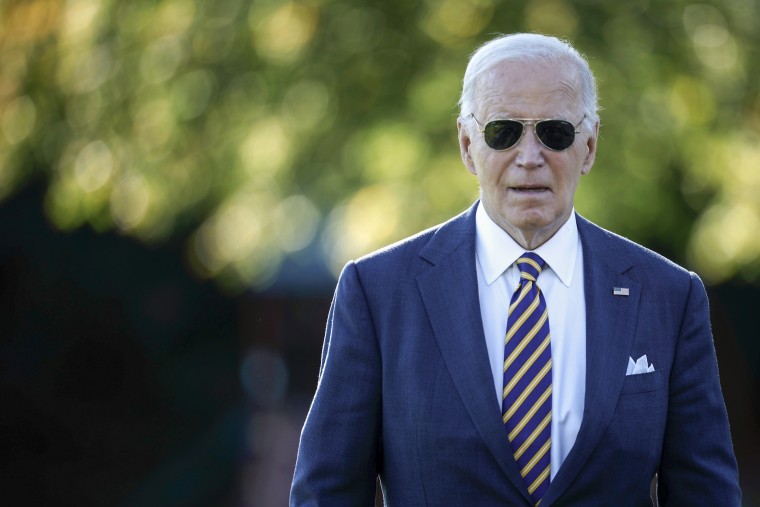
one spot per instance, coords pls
(497, 251)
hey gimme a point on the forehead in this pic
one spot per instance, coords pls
(530, 89)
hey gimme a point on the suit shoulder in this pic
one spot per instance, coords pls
(408, 247)
(626, 250)
(431, 244)
(391, 267)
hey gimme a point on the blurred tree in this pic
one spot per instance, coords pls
(257, 129)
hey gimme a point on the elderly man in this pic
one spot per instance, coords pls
(518, 354)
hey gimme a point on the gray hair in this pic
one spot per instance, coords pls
(526, 47)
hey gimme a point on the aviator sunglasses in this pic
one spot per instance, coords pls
(557, 135)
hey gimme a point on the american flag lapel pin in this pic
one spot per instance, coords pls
(620, 291)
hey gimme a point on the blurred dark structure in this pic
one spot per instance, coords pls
(733, 307)
(118, 370)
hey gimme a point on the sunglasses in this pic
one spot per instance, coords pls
(557, 135)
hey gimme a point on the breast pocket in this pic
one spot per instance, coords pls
(642, 383)
(641, 412)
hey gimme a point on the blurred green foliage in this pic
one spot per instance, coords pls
(254, 129)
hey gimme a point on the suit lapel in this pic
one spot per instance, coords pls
(610, 326)
(449, 291)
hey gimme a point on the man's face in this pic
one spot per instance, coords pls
(528, 190)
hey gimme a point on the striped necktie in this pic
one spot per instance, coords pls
(527, 397)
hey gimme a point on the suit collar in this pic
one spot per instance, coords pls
(459, 232)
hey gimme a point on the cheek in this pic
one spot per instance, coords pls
(479, 155)
(493, 165)
(570, 185)
(491, 180)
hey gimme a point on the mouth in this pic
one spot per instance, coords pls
(529, 189)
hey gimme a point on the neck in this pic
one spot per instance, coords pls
(532, 238)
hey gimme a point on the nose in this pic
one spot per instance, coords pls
(530, 151)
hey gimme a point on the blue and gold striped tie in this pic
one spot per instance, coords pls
(526, 405)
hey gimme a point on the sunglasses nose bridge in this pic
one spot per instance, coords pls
(530, 149)
(533, 135)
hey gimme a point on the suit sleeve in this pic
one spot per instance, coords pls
(698, 466)
(338, 451)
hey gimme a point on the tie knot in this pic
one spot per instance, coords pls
(530, 266)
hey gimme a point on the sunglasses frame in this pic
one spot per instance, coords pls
(529, 121)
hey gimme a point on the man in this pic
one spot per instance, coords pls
(517, 354)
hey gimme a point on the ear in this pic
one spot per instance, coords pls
(465, 142)
(588, 162)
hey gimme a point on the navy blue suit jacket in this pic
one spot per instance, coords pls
(405, 389)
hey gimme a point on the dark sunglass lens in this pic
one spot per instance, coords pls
(556, 134)
(503, 134)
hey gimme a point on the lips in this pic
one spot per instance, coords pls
(529, 188)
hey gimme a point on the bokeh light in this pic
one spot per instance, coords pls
(255, 131)
(557, 17)
(450, 22)
(19, 119)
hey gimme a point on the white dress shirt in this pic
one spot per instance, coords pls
(561, 282)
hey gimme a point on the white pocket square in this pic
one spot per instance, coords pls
(640, 366)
